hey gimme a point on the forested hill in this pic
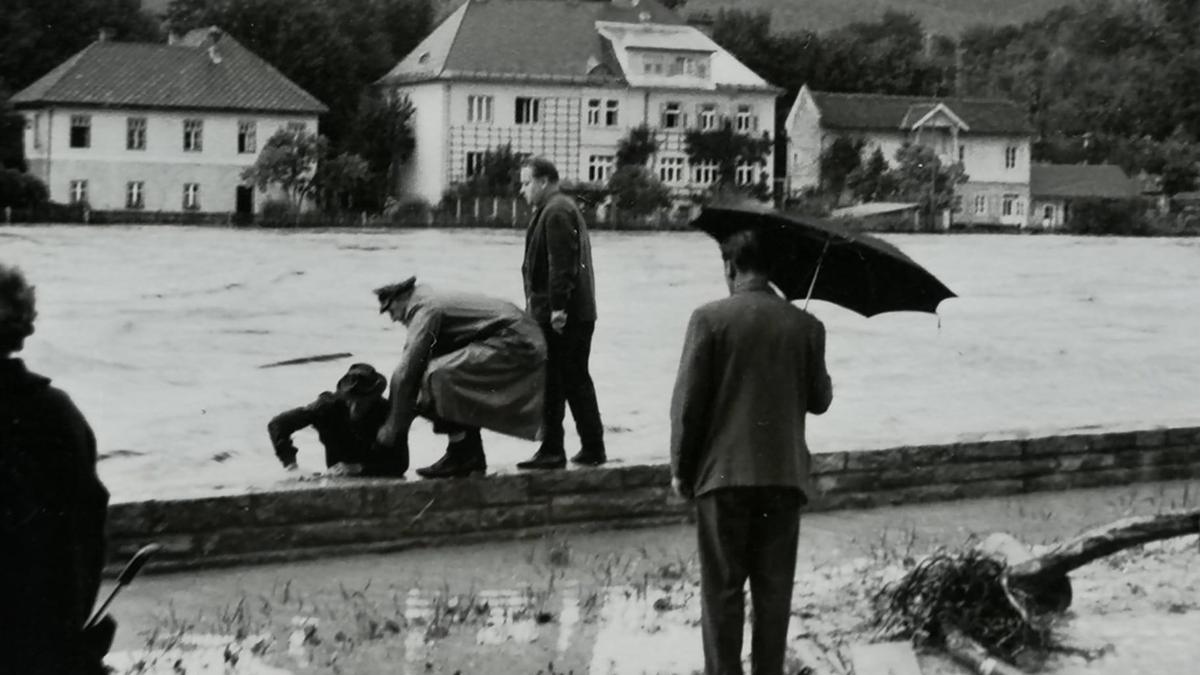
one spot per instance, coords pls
(944, 17)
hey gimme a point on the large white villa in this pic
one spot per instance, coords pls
(567, 80)
(158, 127)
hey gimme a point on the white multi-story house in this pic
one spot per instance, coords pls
(158, 127)
(990, 137)
(567, 79)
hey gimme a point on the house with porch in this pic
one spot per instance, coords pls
(567, 80)
(1054, 187)
(990, 137)
(159, 127)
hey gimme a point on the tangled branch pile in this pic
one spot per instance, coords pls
(963, 590)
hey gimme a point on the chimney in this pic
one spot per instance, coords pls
(104, 35)
(172, 38)
(214, 36)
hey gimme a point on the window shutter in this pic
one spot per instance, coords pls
(662, 115)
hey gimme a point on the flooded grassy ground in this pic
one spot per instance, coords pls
(627, 602)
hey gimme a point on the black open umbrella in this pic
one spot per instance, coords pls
(811, 257)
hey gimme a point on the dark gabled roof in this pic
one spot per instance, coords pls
(180, 75)
(879, 112)
(537, 40)
(1081, 180)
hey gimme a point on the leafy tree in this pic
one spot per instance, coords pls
(20, 190)
(872, 181)
(383, 136)
(499, 175)
(636, 148)
(338, 178)
(727, 149)
(921, 177)
(637, 191)
(12, 135)
(289, 160)
(838, 161)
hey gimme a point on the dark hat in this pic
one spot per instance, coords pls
(361, 380)
(387, 294)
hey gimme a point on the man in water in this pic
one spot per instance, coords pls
(346, 422)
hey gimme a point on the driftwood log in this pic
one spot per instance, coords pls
(951, 600)
(1039, 584)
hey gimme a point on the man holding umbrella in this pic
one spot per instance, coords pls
(753, 366)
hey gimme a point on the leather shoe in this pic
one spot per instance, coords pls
(590, 457)
(451, 466)
(545, 458)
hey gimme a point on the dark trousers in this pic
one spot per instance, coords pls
(569, 382)
(747, 533)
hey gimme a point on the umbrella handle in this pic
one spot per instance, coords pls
(812, 284)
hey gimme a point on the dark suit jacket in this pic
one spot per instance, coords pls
(558, 262)
(52, 513)
(753, 365)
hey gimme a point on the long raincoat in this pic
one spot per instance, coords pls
(473, 360)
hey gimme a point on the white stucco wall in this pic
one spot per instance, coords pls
(424, 174)
(445, 134)
(163, 166)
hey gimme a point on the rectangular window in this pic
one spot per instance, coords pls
(704, 173)
(593, 112)
(193, 136)
(479, 109)
(980, 205)
(744, 174)
(708, 116)
(247, 137)
(135, 133)
(296, 126)
(610, 112)
(670, 170)
(1008, 208)
(745, 119)
(672, 116)
(135, 195)
(962, 153)
(957, 207)
(528, 110)
(1010, 157)
(79, 192)
(474, 165)
(1048, 212)
(652, 65)
(600, 167)
(191, 196)
(81, 131)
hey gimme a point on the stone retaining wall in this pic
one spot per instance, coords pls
(379, 515)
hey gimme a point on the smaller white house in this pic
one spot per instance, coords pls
(990, 137)
(158, 127)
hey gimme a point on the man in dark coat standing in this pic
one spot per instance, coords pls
(469, 362)
(346, 421)
(560, 295)
(52, 511)
(753, 365)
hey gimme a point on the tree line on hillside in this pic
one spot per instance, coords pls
(1101, 81)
